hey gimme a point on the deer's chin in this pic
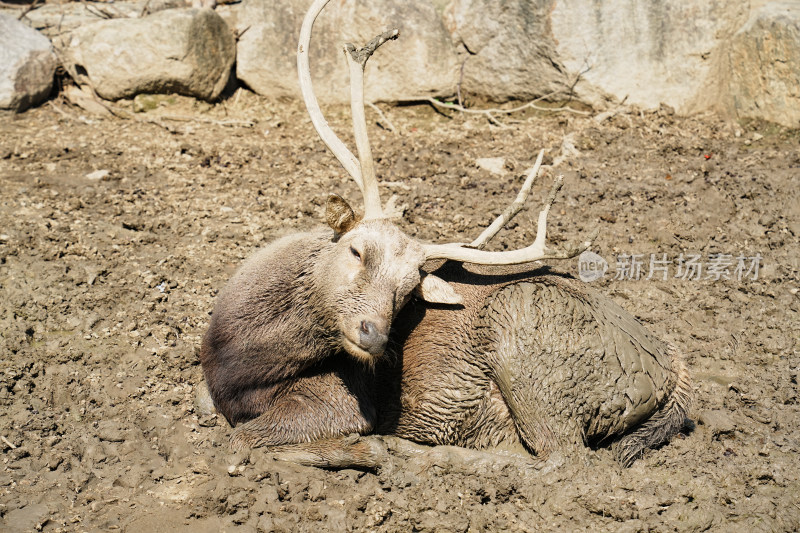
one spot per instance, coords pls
(358, 352)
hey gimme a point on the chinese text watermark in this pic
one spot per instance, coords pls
(689, 267)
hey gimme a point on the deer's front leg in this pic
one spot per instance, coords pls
(306, 409)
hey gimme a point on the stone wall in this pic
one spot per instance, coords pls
(737, 57)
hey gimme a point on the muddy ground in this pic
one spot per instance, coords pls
(108, 279)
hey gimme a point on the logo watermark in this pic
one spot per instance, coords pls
(688, 267)
(591, 266)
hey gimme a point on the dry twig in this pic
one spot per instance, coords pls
(102, 12)
(231, 123)
(383, 117)
(145, 9)
(68, 115)
(489, 113)
(35, 5)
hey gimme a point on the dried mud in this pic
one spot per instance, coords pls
(108, 280)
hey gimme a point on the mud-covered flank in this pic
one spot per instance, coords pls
(581, 364)
(533, 361)
(107, 284)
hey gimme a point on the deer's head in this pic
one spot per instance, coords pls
(374, 267)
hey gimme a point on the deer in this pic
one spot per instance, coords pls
(326, 343)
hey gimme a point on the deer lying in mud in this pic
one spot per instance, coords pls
(343, 331)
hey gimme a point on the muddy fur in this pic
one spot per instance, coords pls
(532, 359)
(274, 354)
(529, 360)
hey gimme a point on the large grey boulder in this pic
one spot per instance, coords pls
(27, 65)
(184, 51)
(763, 62)
(507, 48)
(421, 62)
(54, 19)
(644, 52)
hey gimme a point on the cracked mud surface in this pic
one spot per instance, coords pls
(107, 284)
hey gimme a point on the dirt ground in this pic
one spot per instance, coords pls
(108, 279)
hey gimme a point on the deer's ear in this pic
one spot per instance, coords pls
(435, 290)
(339, 215)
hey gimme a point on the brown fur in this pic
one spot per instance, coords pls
(525, 361)
(580, 370)
(281, 356)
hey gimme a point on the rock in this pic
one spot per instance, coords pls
(184, 51)
(718, 421)
(495, 165)
(27, 65)
(98, 174)
(29, 518)
(650, 54)
(53, 19)
(646, 53)
(763, 80)
(422, 61)
(507, 47)
(203, 404)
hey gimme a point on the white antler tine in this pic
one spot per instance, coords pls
(334, 144)
(357, 60)
(534, 252)
(512, 210)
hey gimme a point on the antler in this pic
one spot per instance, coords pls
(535, 252)
(361, 170)
(511, 211)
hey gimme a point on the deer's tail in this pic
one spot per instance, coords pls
(664, 423)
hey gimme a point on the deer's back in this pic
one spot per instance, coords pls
(565, 351)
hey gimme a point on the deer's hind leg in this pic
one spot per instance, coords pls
(354, 451)
(535, 370)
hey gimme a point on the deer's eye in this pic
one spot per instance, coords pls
(356, 254)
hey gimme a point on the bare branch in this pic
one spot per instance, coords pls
(35, 5)
(488, 112)
(145, 9)
(386, 122)
(334, 144)
(231, 123)
(512, 209)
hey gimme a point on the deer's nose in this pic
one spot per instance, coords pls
(373, 337)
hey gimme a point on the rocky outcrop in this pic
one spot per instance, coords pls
(739, 57)
(761, 77)
(507, 48)
(184, 51)
(692, 56)
(27, 65)
(421, 62)
(54, 19)
(645, 53)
